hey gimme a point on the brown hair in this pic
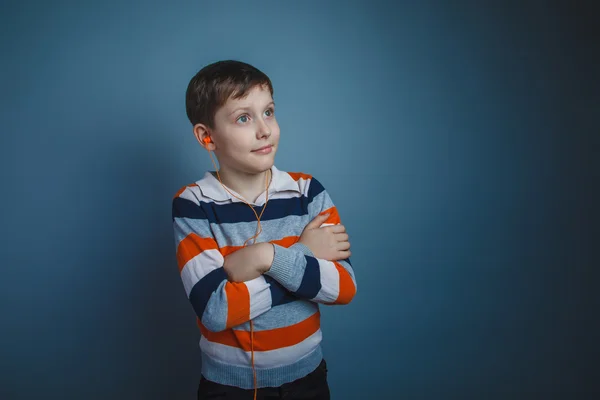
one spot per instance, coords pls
(210, 88)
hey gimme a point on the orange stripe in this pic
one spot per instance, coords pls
(183, 190)
(191, 246)
(227, 250)
(238, 303)
(270, 339)
(347, 288)
(285, 242)
(334, 217)
(299, 175)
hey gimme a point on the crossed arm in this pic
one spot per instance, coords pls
(318, 241)
(228, 291)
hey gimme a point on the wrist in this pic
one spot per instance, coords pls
(307, 251)
(267, 253)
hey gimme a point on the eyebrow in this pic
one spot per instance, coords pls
(247, 108)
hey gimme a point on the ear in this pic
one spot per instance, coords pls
(201, 132)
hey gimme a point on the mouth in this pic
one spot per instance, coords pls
(264, 150)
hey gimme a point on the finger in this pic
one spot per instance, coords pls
(336, 228)
(341, 237)
(343, 246)
(317, 221)
(342, 255)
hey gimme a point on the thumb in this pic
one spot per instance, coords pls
(317, 221)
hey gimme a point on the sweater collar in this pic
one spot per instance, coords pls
(211, 187)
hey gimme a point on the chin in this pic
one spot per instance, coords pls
(264, 165)
(257, 168)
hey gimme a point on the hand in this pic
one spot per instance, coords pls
(249, 262)
(328, 242)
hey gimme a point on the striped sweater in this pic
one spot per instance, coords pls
(283, 303)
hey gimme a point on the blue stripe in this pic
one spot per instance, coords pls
(314, 189)
(311, 281)
(202, 290)
(279, 294)
(240, 212)
(186, 208)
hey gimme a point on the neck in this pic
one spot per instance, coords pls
(250, 186)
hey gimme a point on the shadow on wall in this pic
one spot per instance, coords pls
(149, 336)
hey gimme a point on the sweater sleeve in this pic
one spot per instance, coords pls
(308, 277)
(218, 303)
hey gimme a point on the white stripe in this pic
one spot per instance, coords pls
(262, 359)
(288, 194)
(194, 193)
(191, 193)
(260, 299)
(303, 185)
(330, 282)
(199, 266)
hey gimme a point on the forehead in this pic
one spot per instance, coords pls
(257, 96)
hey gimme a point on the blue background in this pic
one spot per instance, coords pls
(458, 141)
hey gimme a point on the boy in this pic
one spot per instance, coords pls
(258, 248)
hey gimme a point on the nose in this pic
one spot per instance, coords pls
(264, 130)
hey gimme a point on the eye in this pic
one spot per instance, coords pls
(269, 112)
(242, 119)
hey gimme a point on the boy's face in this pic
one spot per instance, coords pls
(242, 128)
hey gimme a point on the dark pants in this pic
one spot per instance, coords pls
(312, 387)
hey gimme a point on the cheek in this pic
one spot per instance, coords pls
(241, 146)
(234, 141)
(275, 131)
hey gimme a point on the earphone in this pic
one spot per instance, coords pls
(208, 140)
